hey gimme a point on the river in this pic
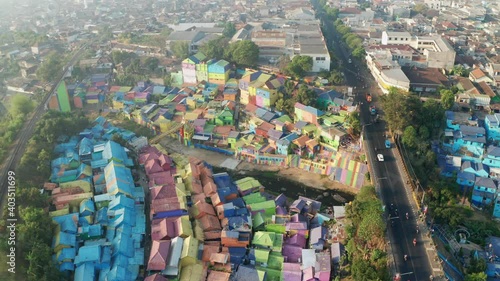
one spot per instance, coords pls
(275, 185)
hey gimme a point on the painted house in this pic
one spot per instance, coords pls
(307, 113)
(283, 144)
(492, 125)
(478, 169)
(247, 85)
(259, 82)
(189, 67)
(201, 71)
(455, 119)
(484, 192)
(224, 117)
(332, 136)
(326, 99)
(267, 95)
(492, 157)
(466, 179)
(218, 72)
(469, 141)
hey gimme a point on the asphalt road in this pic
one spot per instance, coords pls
(27, 131)
(387, 174)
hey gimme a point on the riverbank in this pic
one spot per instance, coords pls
(309, 179)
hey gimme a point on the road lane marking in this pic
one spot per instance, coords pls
(407, 273)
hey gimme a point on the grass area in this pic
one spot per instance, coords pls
(6, 275)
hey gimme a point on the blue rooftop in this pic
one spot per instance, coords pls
(85, 272)
(88, 254)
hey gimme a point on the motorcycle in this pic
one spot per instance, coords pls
(415, 242)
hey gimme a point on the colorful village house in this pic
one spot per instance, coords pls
(218, 71)
(259, 82)
(267, 95)
(244, 86)
(189, 68)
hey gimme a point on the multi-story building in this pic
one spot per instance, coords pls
(438, 53)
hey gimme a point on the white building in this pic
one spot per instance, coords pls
(387, 73)
(437, 51)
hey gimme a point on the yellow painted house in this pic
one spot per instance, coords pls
(189, 253)
(218, 71)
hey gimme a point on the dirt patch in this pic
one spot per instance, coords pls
(295, 174)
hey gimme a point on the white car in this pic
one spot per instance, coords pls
(380, 157)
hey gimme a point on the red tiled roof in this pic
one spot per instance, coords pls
(477, 73)
(209, 223)
(159, 255)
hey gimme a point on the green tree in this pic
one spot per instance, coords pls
(41, 266)
(243, 53)
(21, 105)
(36, 227)
(432, 115)
(476, 265)
(460, 71)
(119, 56)
(410, 137)
(299, 66)
(354, 122)
(336, 77)
(151, 63)
(359, 52)
(306, 96)
(214, 49)
(401, 110)
(50, 68)
(423, 133)
(180, 49)
(447, 99)
(31, 196)
(229, 30)
(420, 8)
(481, 276)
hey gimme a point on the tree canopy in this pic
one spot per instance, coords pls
(243, 53)
(214, 49)
(50, 68)
(365, 244)
(180, 49)
(229, 30)
(299, 66)
(21, 105)
(447, 99)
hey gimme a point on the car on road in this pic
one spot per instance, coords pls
(380, 157)
(387, 143)
(350, 61)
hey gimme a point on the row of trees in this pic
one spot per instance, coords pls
(365, 237)
(353, 41)
(10, 124)
(35, 228)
